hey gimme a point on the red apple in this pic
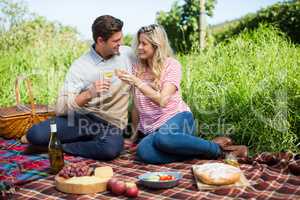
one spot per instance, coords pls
(111, 182)
(131, 190)
(118, 187)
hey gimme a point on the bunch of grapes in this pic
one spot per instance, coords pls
(75, 169)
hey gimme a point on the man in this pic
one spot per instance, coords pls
(92, 105)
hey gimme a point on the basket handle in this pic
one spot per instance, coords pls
(29, 92)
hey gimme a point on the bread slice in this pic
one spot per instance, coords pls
(217, 174)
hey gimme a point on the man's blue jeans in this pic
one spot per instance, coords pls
(175, 141)
(82, 135)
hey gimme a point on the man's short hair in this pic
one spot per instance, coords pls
(105, 26)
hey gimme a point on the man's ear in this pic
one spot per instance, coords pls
(100, 40)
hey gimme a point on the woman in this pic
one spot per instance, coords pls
(159, 113)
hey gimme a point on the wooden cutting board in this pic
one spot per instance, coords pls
(85, 184)
(79, 186)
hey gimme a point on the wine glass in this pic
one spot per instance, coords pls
(108, 75)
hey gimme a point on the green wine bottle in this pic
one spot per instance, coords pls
(55, 151)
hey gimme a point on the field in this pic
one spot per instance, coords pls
(247, 88)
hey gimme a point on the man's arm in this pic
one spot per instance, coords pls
(97, 88)
(83, 98)
(74, 93)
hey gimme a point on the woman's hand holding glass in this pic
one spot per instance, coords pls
(128, 78)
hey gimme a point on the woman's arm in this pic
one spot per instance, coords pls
(161, 98)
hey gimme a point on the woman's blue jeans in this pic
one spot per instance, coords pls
(175, 141)
(82, 135)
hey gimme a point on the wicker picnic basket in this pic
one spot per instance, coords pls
(16, 120)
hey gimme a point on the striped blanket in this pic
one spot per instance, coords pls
(33, 181)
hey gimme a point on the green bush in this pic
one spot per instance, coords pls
(284, 15)
(248, 88)
(41, 50)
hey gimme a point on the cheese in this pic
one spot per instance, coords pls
(104, 172)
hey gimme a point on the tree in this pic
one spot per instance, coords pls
(127, 40)
(182, 23)
(11, 13)
(202, 25)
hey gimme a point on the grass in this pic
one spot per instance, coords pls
(41, 50)
(248, 87)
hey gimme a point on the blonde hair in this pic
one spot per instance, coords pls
(156, 35)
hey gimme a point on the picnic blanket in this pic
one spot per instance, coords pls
(266, 182)
(18, 168)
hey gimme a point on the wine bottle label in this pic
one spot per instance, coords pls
(53, 128)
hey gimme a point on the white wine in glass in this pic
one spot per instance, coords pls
(108, 75)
